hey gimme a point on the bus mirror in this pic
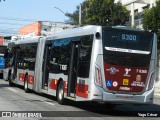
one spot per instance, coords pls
(98, 35)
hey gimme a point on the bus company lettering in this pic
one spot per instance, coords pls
(63, 67)
(125, 88)
(137, 83)
(141, 71)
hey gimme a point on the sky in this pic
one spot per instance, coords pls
(15, 14)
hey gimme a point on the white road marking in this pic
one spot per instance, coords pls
(47, 102)
(12, 90)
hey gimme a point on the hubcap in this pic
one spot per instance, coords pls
(25, 84)
(60, 94)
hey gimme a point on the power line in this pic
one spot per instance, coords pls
(1, 32)
(8, 30)
(11, 23)
(17, 19)
(25, 20)
(8, 33)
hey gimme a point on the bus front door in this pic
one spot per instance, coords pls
(72, 78)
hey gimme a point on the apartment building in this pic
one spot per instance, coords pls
(137, 9)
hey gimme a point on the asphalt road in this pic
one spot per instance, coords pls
(15, 100)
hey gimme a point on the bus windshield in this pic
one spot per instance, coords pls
(125, 39)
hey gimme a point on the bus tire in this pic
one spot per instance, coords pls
(60, 93)
(26, 84)
(10, 81)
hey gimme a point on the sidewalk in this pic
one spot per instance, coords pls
(157, 89)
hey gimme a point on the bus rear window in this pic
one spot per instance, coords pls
(128, 40)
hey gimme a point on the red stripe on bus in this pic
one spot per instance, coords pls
(53, 84)
(21, 77)
(30, 79)
(82, 90)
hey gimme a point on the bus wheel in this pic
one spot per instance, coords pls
(10, 81)
(26, 84)
(60, 93)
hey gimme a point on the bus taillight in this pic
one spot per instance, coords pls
(151, 81)
(98, 77)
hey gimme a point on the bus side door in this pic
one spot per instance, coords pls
(72, 78)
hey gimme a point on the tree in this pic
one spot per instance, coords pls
(151, 20)
(100, 12)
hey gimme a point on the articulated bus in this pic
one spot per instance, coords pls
(90, 63)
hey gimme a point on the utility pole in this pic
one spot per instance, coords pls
(132, 14)
(80, 15)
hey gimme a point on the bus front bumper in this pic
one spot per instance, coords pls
(145, 98)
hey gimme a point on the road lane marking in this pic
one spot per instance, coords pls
(47, 102)
(12, 90)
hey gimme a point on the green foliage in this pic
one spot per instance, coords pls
(100, 12)
(151, 20)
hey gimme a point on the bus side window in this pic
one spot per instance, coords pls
(26, 56)
(60, 56)
(54, 60)
(85, 56)
(31, 56)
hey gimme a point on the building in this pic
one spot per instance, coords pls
(6, 40)
(44, 28)
(1, 40)
(38, 28)
(137, 9)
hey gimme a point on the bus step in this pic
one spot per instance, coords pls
(44, 91)
(71, 98)
(72, 95)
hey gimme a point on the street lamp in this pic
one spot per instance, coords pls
(60, 10)
(67, 16)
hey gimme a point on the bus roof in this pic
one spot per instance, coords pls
(27, 40)
(127, 28)
(85, 30)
